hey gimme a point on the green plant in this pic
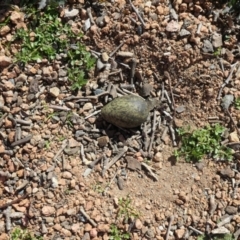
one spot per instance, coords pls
(237, 103)
(117, 234)
(202, 142)
(218, 237)
(22, 234)
(47, 36)
(217, 52)
(47, 144)
(126, 210)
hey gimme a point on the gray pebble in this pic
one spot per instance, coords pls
(207, 47)
(184, 33)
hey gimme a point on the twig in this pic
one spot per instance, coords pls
(149, 170)
(114, 160)
(55, 107)
(116, 49)
(84, 160)
(18, 134)
(229, 78)
(64, 145)
(90, 15)
(110, 183)
(167, 96)
(199, 28)
(172, 96)
(196, 231)
(225, 221)
(173, 135)
(136, 11)
(133, 68)
(165, 131)
(7, 213)
(212, 205)
(221, 64)
(23, 122)
(14, 201)
(145, 137)
(87, 216)
(234, 124)
(22, 141)
(171, 219)
(153, 131)
(2, 118)
(93, 114)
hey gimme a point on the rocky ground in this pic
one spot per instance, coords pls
(67, 174)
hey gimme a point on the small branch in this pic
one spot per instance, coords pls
(60, 108)
(84, 160)
(171, 219)
(196, 231)
(64, 145)
(7, 213)
(153, 131)
(116, 49)
(227, 80)
(136, 11)
(114, 160)
(14, 201)
(87, 216)
(173, 135)
(93, 114)
(22, 141)
(149, 170)
(133, 68)
(110, 183)
(90, 15)
(234, 124)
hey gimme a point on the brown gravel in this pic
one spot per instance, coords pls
(64, 171)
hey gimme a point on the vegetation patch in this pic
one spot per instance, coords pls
(203, 142)
(46, 37)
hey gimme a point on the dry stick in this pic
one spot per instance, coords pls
(114, 160)
(90, 15)
(234, 124)
(136, 11)
(221, 64)
(14, 201)
(93, 163)
(195, 230)
(133, 68)
(7, 213)
(199, 28)
(229, 78)
(171, 91)
(22, 141)
(64, 145)
(153, 131)
(18, 134)
(110, 183)
(108, 90)
(2, 118)
(225, 221)
(150, 170)
(23, 122)
(87, 216)
(117, 48)
(173, 135)
(169, 226)
(212, 205)
(84, 160)
(55, 107)
(93, 114)
(145, 136)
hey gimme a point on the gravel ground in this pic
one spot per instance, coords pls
(67, 174)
